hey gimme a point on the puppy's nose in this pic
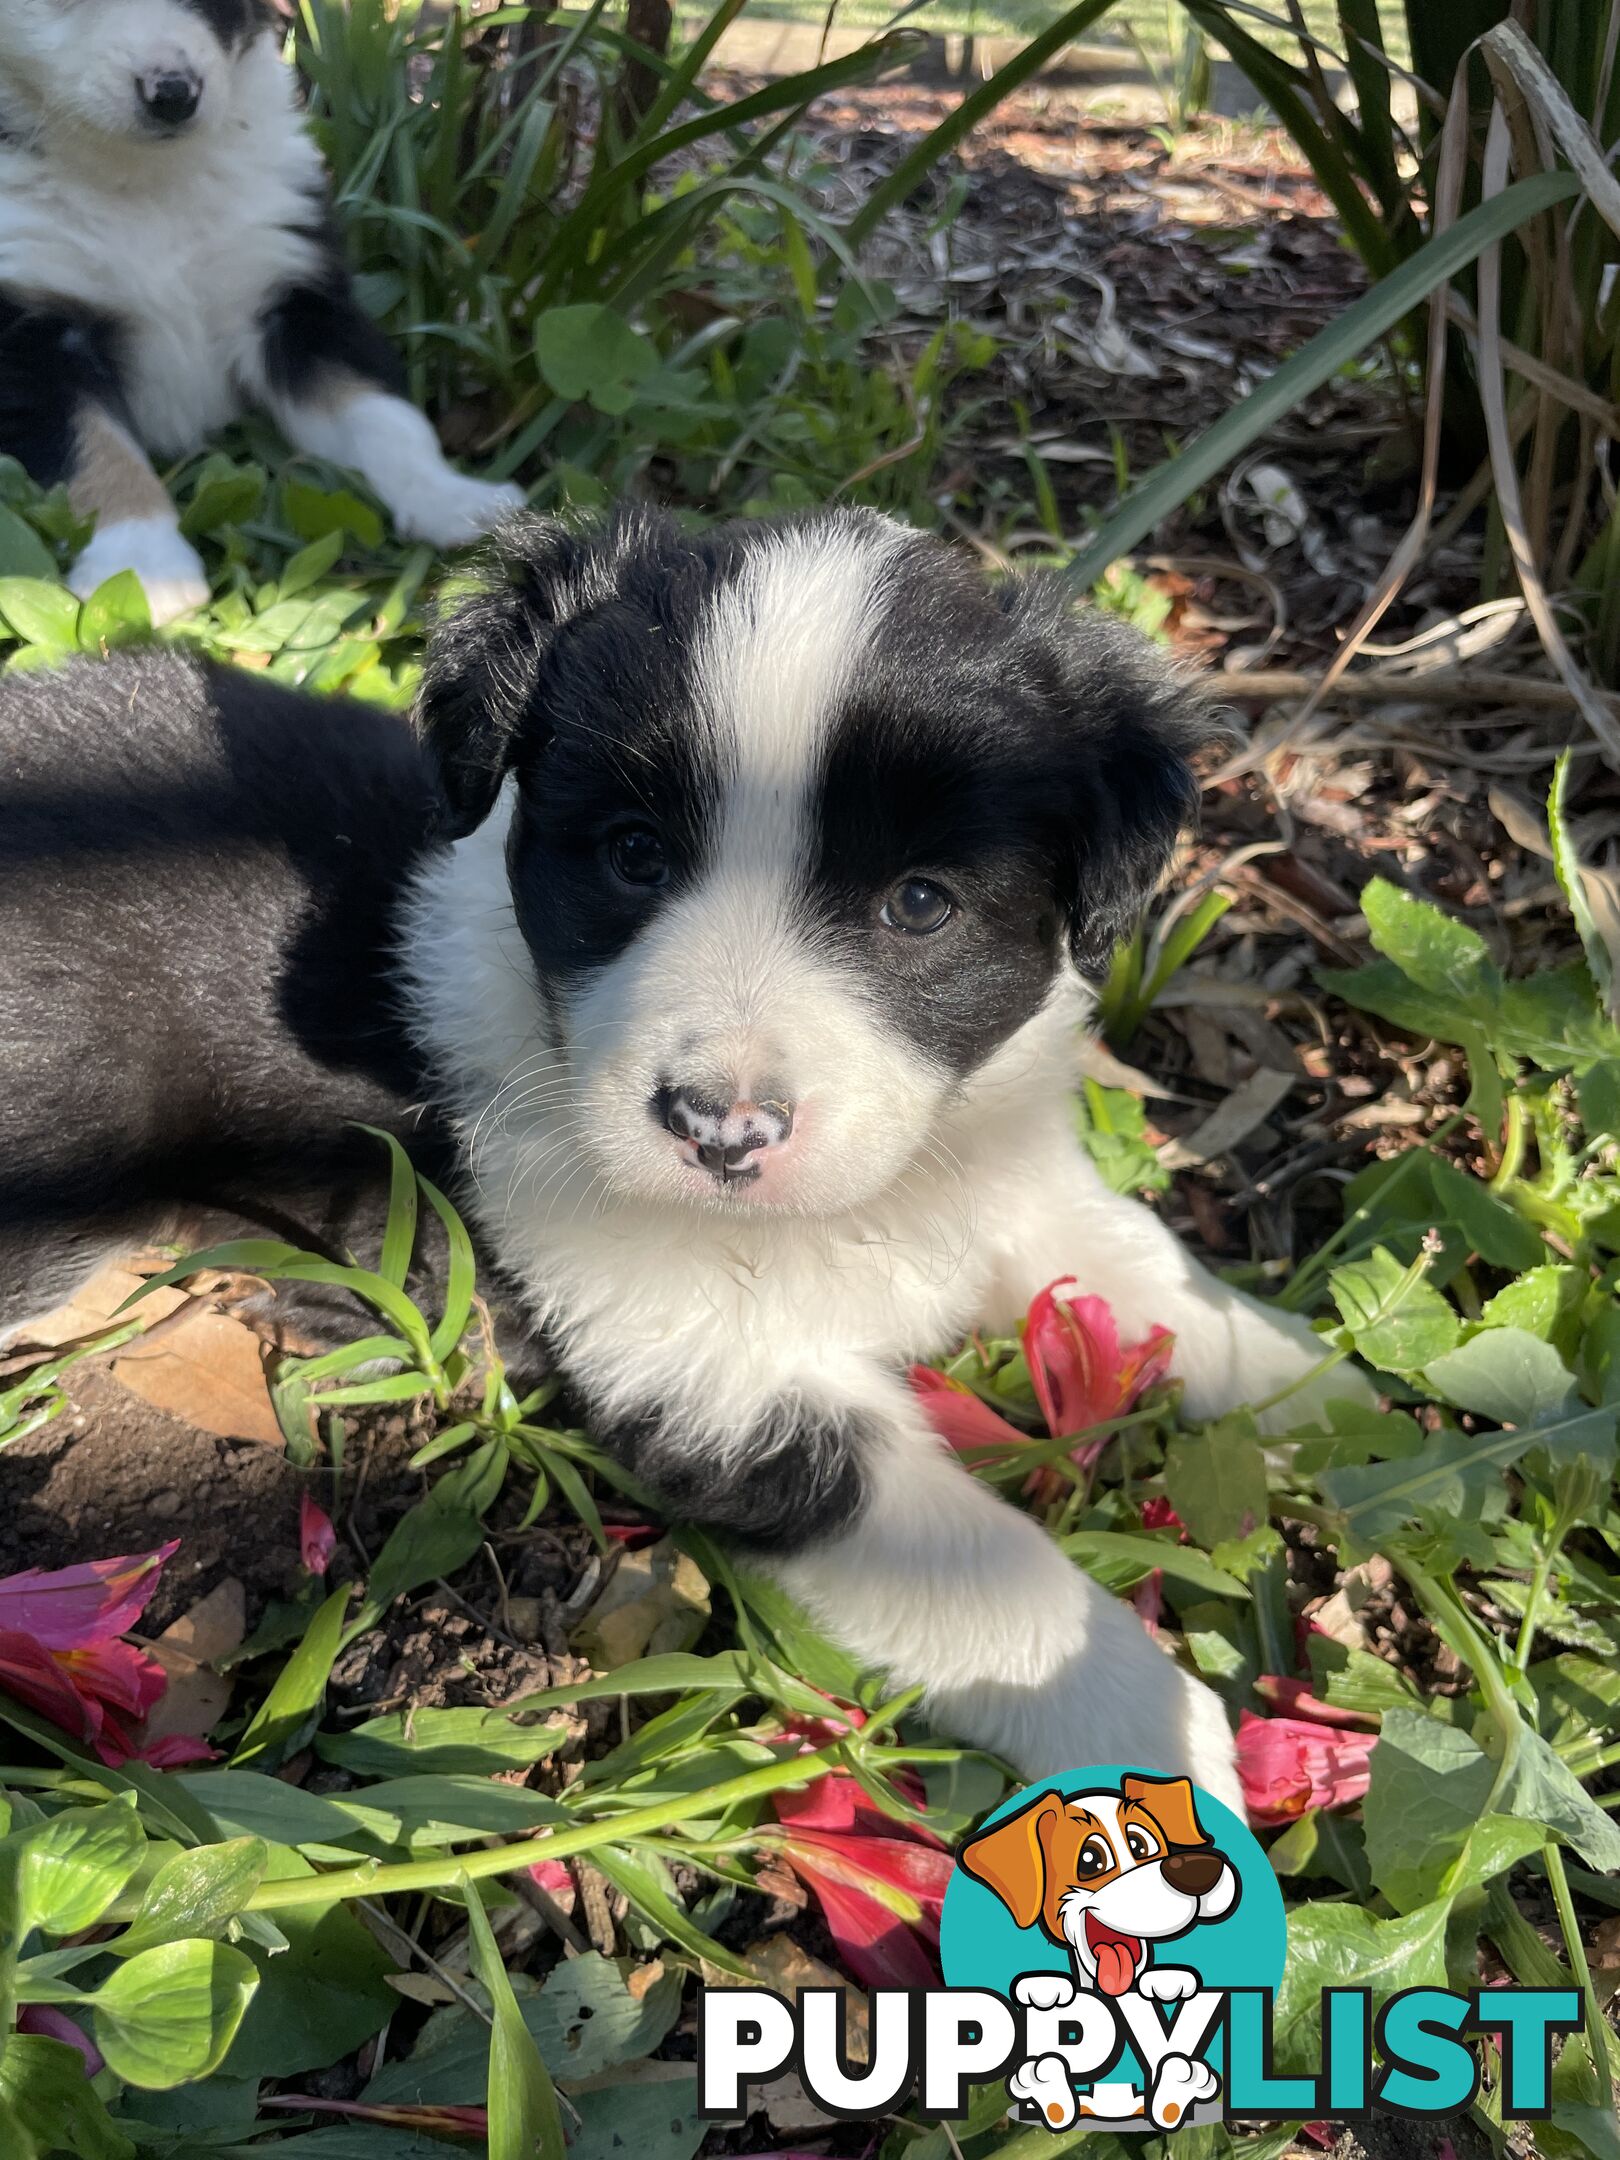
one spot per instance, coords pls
(1193, 1873)
(171, 95)
(727, 1138)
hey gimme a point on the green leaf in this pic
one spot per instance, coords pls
(645, 1882)
(1371, 317)
(1320, 1844)
(306, 569)
(226, 494)
(322, 1997)
(1495, 1844)
(1432, 948)
(1430, 1784)
(282, 1719)
(73, 1866)
(197, 1893)
(1398, 1325)
(437, 1535)
(1492, 1228)
(1545, 1790)
(115, 613)
(524, 2121)
(1508, 1374)
(52, 2104)
(314, 512)
(441, 1742)
(1544, 1301)
(589, 351)
(1455, 1474)
(23, 554)
(1118, 1559)
(41, 614)
(256, 1805)
(1344, 1946)
(1216, 1480)
(168, 2016)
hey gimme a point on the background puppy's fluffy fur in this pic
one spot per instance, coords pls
(166, 261)
(742, 977)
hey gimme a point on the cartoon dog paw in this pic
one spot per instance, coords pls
(1044, 2084)
(1044, 1991)
(1168, 1983)
(1178, 2085)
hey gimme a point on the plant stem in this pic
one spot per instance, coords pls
(380, 1880)
(1569, 1925)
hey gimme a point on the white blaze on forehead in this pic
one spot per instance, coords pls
(780, 648)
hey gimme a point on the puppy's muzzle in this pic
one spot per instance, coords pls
(727, 1139)
(169, 96)
(1195, 1874)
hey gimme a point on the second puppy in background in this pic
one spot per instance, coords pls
(166, 262)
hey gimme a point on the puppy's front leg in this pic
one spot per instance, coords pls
(1230, 1349)
(335, 387)
(918, 1569)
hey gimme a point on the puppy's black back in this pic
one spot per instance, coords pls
(199, 873)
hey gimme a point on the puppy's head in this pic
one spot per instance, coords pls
(1107, 1874)
(130, 70)
(809, 821)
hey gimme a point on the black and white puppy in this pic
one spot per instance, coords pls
(744, 976)
(166, 262)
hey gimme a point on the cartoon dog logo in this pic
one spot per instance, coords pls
(1109, 1876)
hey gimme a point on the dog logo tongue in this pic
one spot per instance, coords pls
(1118, 1956)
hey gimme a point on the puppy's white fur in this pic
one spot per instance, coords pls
(905, 1210)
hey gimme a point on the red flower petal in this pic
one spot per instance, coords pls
(76, 1607)
(30, 1673)
(317, 1540)
(117, 1674)
(1082, 1375)
(881, 1899)
(960, 1418)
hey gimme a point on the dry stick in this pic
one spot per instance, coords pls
(1597, 714)
(1388, 686)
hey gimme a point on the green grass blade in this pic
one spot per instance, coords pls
(462, 1278)
(1372, 317)
(524, 2120)
(399, 1236)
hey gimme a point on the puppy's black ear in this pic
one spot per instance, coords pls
(1130, 724)
(481, 683)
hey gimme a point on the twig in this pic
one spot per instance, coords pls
(1380, 686)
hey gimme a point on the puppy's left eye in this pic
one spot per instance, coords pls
(918, 907)
(1141, 1845)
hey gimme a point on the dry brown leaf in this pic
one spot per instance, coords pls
(655, 1600)
(207, 1370)
(197, 1696)
(95, 1306)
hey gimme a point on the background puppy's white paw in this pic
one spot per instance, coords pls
(168, 566)
(1179, 2085)
(451, 509)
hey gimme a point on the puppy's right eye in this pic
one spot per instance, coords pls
(636, 855)
(1094, 1858)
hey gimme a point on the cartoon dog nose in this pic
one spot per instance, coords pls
(726, 1138)
(1193, 1873)
(171, 95)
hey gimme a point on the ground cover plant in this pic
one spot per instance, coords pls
(429, 1850)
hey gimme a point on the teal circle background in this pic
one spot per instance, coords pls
(981, 1946)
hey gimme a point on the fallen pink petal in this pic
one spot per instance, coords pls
(961, 1418)
(317, 1540)
(74, 1608)
(1081, 1373)
(1289, 1765)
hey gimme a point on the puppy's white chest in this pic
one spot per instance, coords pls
(184, 262)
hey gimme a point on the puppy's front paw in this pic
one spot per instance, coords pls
(169, 568)
(1168, 1983)
(450, 510)
(1180, 2084)
(1044, 1991)
(1044, 2084)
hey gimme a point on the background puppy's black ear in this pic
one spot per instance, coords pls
(481, 680)
(1132, 722)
